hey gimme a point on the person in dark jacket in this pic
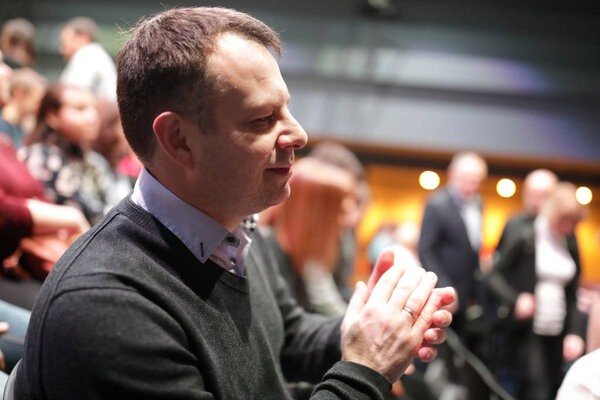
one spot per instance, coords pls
(536, 277)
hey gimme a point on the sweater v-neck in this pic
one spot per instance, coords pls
(186, 267)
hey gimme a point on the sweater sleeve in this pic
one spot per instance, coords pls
(15, 223)
(347, 380)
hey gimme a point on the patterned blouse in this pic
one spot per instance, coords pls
(71, 177)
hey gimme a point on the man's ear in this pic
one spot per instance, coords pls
(169, 131)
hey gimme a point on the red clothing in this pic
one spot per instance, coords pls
(16, 185)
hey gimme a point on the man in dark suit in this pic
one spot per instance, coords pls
(449, 246)
(451, 229)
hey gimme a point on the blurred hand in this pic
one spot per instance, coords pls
(65, 221)
(525, 306)
(573, 347)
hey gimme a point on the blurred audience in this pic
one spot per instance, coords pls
(17, 42)
(403, 237)
(336, 154)
(5, 75)
(449, 244)
(536, 276)
(451, 230)
(88, 64)
(306, 231)
(33, 232)
(537, 187)
(113, 146)
(18, 114)
(58, 151)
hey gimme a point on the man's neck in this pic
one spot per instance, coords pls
(183, 189)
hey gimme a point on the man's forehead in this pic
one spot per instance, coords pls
(239, 64)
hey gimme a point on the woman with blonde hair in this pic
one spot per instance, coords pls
(536, 278)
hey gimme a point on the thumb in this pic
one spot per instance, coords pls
(358, 299)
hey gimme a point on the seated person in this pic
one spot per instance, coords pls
(25, 213)
(18, 114)
(305, 233)
(58, 155)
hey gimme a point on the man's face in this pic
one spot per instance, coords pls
(537, 190)
(467, 177)
(70, 42)
(246, 154)
(77, 120)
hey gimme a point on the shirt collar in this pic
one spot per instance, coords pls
(198, 232)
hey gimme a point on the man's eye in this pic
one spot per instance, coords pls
(265, 119)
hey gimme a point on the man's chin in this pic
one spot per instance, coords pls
(282, 196)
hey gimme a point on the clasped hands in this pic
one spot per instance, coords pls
(379, 333)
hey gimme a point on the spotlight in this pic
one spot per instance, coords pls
(583, 195)
(429, 180)
(506, 187)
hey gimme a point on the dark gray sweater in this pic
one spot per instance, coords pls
(129, 313)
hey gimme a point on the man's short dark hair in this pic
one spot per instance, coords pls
(162, 67)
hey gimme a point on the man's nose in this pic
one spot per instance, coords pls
(293, 136)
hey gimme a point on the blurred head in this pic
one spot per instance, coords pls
(67, 112)
(466, 173)
(562, 210)
(5, 76)
(309, 223)
(164, 67)
(110, 142)
(538, 185)
(340, 156)
(17, 41)
(26, 90)
(77, 33)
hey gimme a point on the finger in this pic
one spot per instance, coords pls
(384, 262)
(426, 353)
(3, 326)
(385, 286)
(404, 289)
(426, 316)
(448, 295)
(416, 301)
(441, 318)
(434, 336)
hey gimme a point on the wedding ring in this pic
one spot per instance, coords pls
(408, 310)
